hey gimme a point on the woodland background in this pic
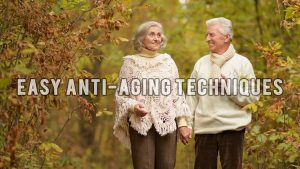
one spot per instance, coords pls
(88, 38)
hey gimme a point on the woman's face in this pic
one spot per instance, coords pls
(153, 39)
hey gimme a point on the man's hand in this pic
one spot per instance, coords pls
(185, 134)
(139, 110)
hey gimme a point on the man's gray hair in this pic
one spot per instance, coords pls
(226, 25)
(141, 32)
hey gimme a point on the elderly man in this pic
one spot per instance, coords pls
(219, 120)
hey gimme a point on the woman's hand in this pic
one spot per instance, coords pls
(139, 110)
(185, 134)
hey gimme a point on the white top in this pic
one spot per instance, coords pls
(214, 114)
(163, 109)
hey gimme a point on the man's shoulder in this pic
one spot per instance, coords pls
(202, 59)
(241, 59)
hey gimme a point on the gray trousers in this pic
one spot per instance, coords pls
(153, 151)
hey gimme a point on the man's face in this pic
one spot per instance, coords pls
(217, 42)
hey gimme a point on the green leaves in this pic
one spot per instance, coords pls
(22, 68)
(82, 5)
(261, 138)
(4, 83)
(284, 119)
(274, 137)
(255, 130)
(84, 62)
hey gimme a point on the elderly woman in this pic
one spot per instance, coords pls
(146, 123)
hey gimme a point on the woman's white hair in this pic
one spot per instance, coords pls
(226, 25)
(141, 32)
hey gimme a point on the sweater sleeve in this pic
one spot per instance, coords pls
(192, 100)
(124, 104)
(245, 97)
(179, 102)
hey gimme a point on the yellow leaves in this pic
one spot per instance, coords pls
(92, 95)
(260, 104)
(99, 113)
(282, 63)
(271, 115)
(42, 41)
(292, 14)
(298, 21)
(41, 44)
(123, 39)
(50, 150)
(112, 78)
(12, 53)
(127, 2)
(52, 13)
(85, 74)
(289, 12)
(31, 49)
(251, 107)
(290, 61)
(274, 56)
(109, 113)
(120, 39)
(104, 112)
(4, 158)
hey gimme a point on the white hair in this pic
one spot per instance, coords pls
(226, 25)
(141, 32)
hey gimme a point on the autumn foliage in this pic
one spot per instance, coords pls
(87, 38)
(45, 39)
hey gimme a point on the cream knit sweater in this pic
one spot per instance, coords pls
(163, 109)
(214, 114)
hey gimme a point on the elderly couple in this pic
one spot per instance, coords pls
(148, 124)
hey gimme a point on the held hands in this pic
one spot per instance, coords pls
(185, 134)
(139, 110)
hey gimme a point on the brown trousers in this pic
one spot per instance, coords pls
(153, 151)
(229, 144)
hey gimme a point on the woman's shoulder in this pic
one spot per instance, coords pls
(143, 61)
(129, 57)
(137, 56)
(139, 61)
